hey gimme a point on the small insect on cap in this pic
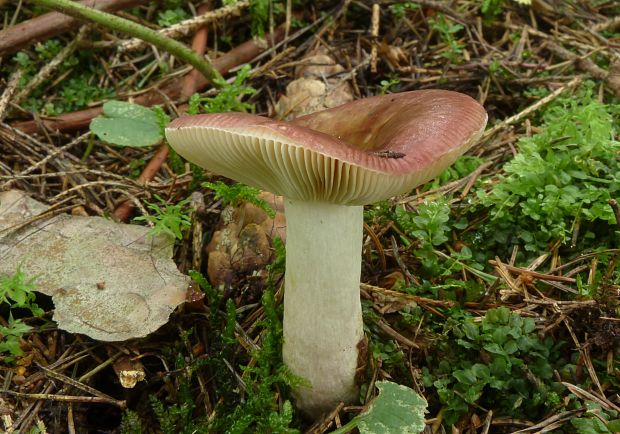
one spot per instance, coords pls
(355, 154)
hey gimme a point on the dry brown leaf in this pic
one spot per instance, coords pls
(107, 280)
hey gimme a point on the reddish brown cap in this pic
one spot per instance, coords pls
(354, 154)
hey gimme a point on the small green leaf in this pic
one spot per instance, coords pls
(614, 425)
(465, 376)
(126, 124)
(471, 330)
(589, 426)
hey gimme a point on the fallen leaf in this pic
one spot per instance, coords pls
(107, 280)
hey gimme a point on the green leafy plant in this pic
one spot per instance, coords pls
(16, 291)
(561, 177)
(386, 85)
(400, 9)
(260, 411)
(130, 423)
(596, 420)
(75, 91)
(430, 224)
(237, 193)
(177, 418)
(229, 97)
(497, 360)
(462, 167)
(447, 32)
(11, 335)
(167, 218)
(261, 11)
(492, 8)
(171, 16)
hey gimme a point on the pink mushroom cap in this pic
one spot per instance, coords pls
(355, 154)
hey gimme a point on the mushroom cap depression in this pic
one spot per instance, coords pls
(355, 154)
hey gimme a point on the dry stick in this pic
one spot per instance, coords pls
(529, 110)
(7, 95)
(52, 154)
(199, 43)
(51, 24)
(80, 119)
(124, 210)
(374, 34)
(65, 398)
(607, 25)
(582, 61)
(613, 203)
(186, 27)
(37, 150)
(587, 65)
(75, 383)
(134, 29)
(561, 417)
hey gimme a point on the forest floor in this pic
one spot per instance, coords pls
(491, 291)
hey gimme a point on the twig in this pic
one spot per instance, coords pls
(535, 274)
(51, 24)
(385, 328)
(387, 295)
(606, 25)
(66, 398)
(613, 203)
(584, 394)
(186, 27)
(560, 417)
(137, 30)
(531, 109)
(374, 34)
(7, 95)
(124, 210)
(75, 383)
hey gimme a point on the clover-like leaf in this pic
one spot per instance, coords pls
(126, 124)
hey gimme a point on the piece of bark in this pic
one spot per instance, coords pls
(81, 119)
(317, 87)
(52, 24)
(242, 243)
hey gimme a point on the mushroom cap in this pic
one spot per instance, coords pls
(355, 154)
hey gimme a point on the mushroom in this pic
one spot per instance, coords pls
(328, 165)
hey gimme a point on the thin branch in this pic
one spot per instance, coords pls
(137, 30)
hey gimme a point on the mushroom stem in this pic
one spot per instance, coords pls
(322, 310)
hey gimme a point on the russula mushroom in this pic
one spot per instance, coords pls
(328, 165)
